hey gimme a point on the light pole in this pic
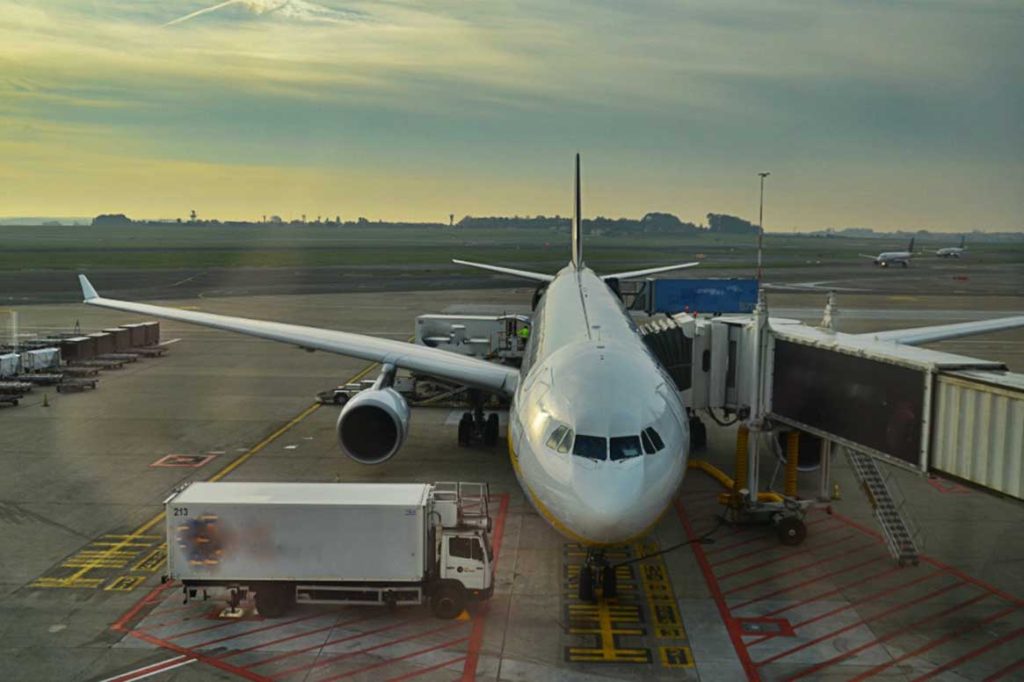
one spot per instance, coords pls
(760, 230)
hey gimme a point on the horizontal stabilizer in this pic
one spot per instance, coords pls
(913, 337)
(648, 271)
(525, 274)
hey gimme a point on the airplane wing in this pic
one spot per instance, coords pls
(648, 271)
(913, 337)
(525, 274)
(439, 363)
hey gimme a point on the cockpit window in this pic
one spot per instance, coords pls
(625, 447)
(652, 441)
(591, 447)
(560, 439)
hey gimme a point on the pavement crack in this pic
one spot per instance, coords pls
(16, 514)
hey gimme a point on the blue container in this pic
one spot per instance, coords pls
(737, 295)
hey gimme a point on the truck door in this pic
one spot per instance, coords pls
(465, 560)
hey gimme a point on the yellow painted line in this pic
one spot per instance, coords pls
(152, 561)
(676, 657)
(125, 583)
(661, 598)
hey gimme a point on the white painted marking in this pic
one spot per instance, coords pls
(152, 669)
(168, 342)
(53, 629)
(290, 447)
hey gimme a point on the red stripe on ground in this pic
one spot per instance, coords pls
(859, 623)
(264, 628)
(300, 635)
(150, 669)
(775, 560)
(870, 597)
(801, 567)
(477, 637)
(424, 671)
(885, 638)
(392, 661)
(121, 623)
(804, 583)
(934, 643)
(730, 624)
(1003, 671)
(971, 654)
(737, 557)
(938, 564)
(350, 654)
(347, 638)
(227, 667)
(816, 597)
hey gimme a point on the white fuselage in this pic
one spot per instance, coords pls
(587, 370)
(950, 252)
(893, 257)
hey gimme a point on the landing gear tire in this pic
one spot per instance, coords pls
(273, 600)
(791, 530)
(491, 430)
(465, 429)
(586, 586)
(609, 583)
(448, 601)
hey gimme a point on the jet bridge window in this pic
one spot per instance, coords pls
(652, 440)
(625, 447)
(591, 447)
(560, 439)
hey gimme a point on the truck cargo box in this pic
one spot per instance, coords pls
(78, 348)
(152, 332)
(303, 532)
(138, 334)
(10, 364)
(40, 359)
(122, 338)
(104, 342)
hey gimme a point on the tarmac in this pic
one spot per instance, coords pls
(81, 599)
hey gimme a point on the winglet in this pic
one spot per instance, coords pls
(88, 293)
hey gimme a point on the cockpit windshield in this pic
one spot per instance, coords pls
(560, 439)
(652, 440)
(591, 447)
(625, 447)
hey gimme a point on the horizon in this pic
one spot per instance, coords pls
(901, 116)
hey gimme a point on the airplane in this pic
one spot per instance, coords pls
(953, 251)
(887, 258)
(598, 435)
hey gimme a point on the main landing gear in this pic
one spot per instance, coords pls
(474, 427)
(597, 569)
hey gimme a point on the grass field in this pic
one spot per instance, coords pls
(183, 246)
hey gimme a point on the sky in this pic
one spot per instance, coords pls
(890, 114)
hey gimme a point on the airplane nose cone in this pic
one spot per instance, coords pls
(613, 507)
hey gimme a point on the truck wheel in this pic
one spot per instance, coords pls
(273, 601)
(448, 600)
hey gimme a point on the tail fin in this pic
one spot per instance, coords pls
(963, 238)
(577, 223)
(910, 247)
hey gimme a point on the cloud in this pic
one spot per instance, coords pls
(299, 10)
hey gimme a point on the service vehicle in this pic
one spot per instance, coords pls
(328, 543)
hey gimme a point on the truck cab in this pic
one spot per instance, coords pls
(466, 557)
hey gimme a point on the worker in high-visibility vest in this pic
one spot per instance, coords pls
(524, 334)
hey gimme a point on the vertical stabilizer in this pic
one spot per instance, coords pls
(910, 247)
(577, 223)
(963, 238)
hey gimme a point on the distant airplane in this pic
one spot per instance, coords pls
(887, 258)
(953, 251)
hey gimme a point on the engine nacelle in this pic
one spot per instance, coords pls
(373, 425)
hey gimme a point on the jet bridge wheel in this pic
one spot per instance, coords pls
(791, 531)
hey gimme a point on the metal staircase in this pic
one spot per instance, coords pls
(895, 528)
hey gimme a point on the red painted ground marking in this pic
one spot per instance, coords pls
(947, 487)
(181, 619)
(934, 643)
(150, 669)
(272, 626)
(1003, 671)
(390, 661)
(775, 560)
(869, 598)
(183, 461)
(823, 594)
(759, 550)
(859, 623)
(801, 567)
(884, 638)
(938, 564)
(350, 654)
(476, 638)
(424, 671)
(202, 658)
(215, 626)
(730, 624)
(300, 635)
(347, 638)
(972, 654)
(761, 535)
(120, 625)
(783, 628)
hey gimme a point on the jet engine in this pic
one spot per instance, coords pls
(373, 425)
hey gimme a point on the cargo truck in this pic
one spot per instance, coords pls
(330, 543)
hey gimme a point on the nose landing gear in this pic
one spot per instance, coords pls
(474, 427)
(596, 567)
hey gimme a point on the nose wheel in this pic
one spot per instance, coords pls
(475, 427)
(596, 570)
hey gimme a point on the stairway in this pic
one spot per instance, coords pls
(894, 528)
